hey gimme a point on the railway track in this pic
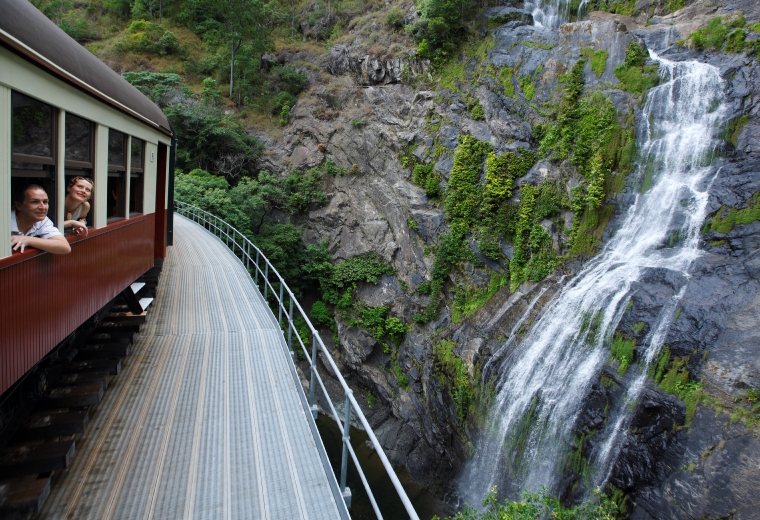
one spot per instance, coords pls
(39, 439)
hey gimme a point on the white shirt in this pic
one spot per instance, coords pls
(41, 229)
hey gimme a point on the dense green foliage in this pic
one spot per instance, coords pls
(483, 209)
(728, 33)
(597, 58)
(452, 374)
(541, 505)
(442, 25)
(212, 141)
(248, 206)
(673, 378)
(588, 133)
(147, 37)
(424, 176)
(533, 255)
(160, 87)
(462, 191)
(622, 349)
(339, 282)
(634, 74)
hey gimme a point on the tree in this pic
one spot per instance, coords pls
(236, 23)
(213, 141)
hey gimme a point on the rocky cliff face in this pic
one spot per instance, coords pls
(368, 113)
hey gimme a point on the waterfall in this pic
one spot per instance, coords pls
(546, 375)
(553, 13)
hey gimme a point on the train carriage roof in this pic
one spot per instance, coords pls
(28, 32)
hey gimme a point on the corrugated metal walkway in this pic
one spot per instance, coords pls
(205, 421)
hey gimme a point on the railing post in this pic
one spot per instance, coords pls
(266, 279)
(344, 459)
(280, 305)
(313, 378)
(257, 268)
(290, 324)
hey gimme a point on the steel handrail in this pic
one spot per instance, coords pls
(231, 234)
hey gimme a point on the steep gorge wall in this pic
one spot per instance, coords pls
(366, 122)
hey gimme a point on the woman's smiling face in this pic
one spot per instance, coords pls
(81, 190)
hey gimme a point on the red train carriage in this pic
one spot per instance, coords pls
(64, 113)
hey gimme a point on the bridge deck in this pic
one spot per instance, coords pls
(206, 420)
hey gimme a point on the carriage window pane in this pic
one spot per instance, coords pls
(137, 154)
(115, 148)
(32, 126)
(78, 138)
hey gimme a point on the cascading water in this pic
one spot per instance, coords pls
(553, 13)
(543, 380)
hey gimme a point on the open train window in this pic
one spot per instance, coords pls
(33, 138)
(136, 175)
(80, 146)
(117, 179)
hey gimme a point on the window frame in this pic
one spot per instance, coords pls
(118, 172)
(76, 164)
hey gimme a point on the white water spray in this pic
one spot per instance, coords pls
(553, 13)
(541, 387)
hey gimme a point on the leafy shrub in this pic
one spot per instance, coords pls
(376, 320)
(320, 315)
(462, 197)
(452, 374)
(477, 112)
(677, 381)
(541, 505)
(490, 248)
(441, 26)
(710, 37)
(622, 349)
(210, 92)
(598, 59)
(395, 18)
(634, 75)
(158, 86)
(343, 276)
(303, 189)
(282, 100)
(78, 27)
(424, 176)
(210, 193)
(147, 37)
(284, 115)
(533, 255)
(290, 80)
(736, 41)
(213, 141)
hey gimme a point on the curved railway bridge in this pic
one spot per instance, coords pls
(208, 419)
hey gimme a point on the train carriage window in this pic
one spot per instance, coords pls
(136, 176)
(117, 180)
(33, 132)
(80, 144)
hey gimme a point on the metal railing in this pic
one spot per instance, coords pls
(250, 255)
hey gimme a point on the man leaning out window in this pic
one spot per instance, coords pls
(30, 225)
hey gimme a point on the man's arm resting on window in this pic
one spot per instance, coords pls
(57, 245)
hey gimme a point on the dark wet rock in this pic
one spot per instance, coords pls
(716, 476)
(652, 449)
